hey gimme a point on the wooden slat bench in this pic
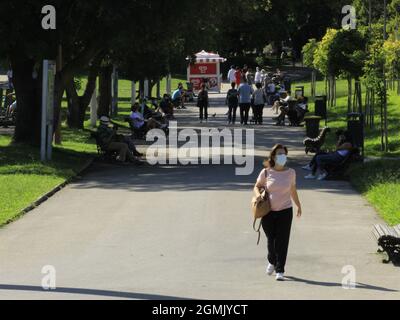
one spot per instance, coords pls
(389, 240)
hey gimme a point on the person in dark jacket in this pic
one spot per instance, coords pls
(203, 103)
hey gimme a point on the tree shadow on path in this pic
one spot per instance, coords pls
(91, 292)
(333, 284)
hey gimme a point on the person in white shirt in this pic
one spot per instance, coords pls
(258, 76)
(284, 100)
(231, 74)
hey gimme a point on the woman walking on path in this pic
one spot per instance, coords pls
(203, 103)
(280, 183)
(238, 77)
(259, 99)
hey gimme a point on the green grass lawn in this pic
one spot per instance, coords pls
(24, 178)
(378, 181)
(337, 120)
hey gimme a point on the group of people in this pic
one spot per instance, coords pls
(239, 75)
(270, 89)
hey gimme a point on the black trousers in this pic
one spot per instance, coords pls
(277, 226)
(203, 111)
(244, 113)
(232, 113)
(258, 113)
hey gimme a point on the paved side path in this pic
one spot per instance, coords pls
(185, 232)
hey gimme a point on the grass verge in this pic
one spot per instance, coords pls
(24, 178)
(379, 182)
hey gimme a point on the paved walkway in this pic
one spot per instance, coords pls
(186, 232)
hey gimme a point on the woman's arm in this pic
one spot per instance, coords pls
(260, 185)
(295, 197)
(257, 189)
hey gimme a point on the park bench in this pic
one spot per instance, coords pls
(136, 133)
(337, 171)
(105, 155)
(389, 241)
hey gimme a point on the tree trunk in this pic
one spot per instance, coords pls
(73, 105)
(105, 91)
(350, 95)
(28, 92)
(77, 106)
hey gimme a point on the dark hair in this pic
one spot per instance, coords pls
(270, 162)
(258, 85)
(233, 84)
(135, 107)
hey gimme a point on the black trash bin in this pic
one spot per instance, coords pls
(312, 126)
(355, 127)
(321, 107)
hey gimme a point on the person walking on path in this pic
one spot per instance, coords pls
(203, 103)
(280, 183)
(232, 99)
(245, 92)
(259, 99)
(238, 77)
(258, 78)
(231, 74)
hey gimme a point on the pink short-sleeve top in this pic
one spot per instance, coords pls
(279, 185)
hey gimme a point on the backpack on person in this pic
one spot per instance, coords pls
(233, 99)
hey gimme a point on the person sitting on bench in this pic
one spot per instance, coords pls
(167, 107)
(297, 111)
(111, 141)
(142, 125)
(282, 102)
(178, 97)
(322, 159)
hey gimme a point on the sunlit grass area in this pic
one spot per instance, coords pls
(378, 181)
(337, 117)
(24, 178)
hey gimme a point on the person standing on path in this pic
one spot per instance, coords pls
(203, 103)
(232, 99)
(258, 78)
(231, 74)
(259, 99)
(245, 92)
(238, 77)
(280, 183)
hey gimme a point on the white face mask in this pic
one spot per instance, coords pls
(281, 160)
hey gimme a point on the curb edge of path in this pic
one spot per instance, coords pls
(50, 194)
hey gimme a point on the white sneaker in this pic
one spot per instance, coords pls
(270, 269)
(280, 277)
(310, 177)
(322, 176)
(307, 168)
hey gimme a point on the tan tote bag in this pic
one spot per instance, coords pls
(260, 209)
